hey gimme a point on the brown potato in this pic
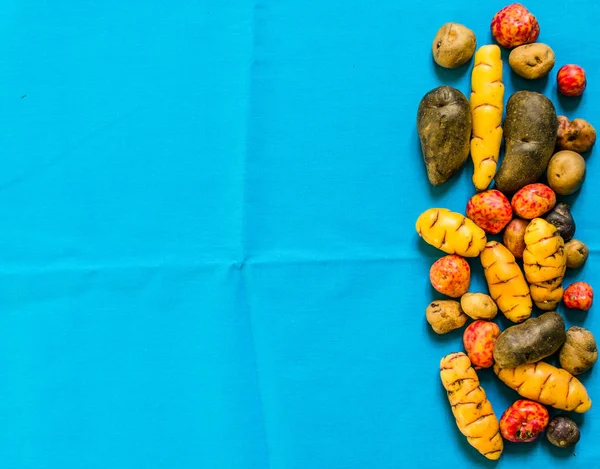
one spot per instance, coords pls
(478, 306)
(566, 172)
(579, 352)
(514, 237)
(532, 61)
(576, 135)
(577, 253)
(453, 45)
(445, 315)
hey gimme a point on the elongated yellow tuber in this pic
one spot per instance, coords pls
(546, 384)
(487, 105)
(475, 417)
(506, 282)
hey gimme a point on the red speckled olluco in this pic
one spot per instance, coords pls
(479, 339)
(523, 421)
(514, 25)
(533, 200)
(571, 80)
(579, 295)
(451, 275)
(490, 210)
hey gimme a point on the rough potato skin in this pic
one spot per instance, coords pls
(453, 45)
(445, 316)
(532, 61)
(577, 253)
(579, 352)
(444, 123)
(577, 135)
(478, 306)
(530, 132)
(530, 341)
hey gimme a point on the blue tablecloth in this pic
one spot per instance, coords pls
(208, 254)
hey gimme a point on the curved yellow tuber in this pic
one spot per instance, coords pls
(546, 384)
(451, 232)
(506, 282)
(473, 412)
(487, 105)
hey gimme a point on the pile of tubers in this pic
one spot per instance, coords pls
(517, 199)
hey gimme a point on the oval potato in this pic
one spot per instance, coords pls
(478, 306)
(445, 316)
(577, 253)
(532, 61)
(566, 172)
(453, 45)
(444, 124)
(530, 341)
(533, 201)
(514, 236)
(579, 352)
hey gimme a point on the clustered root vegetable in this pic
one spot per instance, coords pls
(526, 158)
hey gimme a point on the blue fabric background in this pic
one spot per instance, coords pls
(208, 254)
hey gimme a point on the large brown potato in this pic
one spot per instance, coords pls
(530, 130)
(530, 341)
(444, 123)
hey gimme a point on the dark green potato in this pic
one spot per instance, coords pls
(530, 341)
(444, 125)
(530, 131)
